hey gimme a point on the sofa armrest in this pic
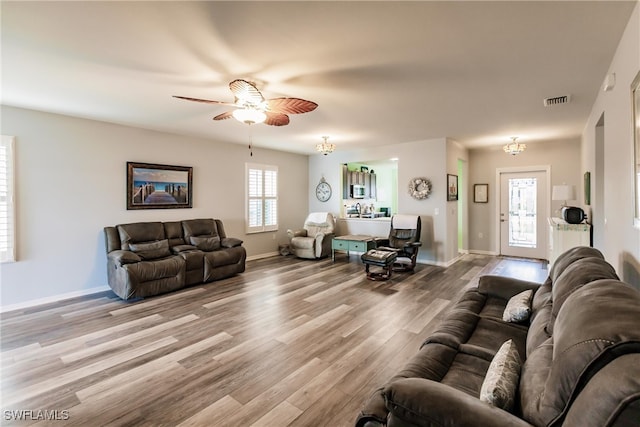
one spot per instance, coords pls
(412, 245)
(121, 257)
(374, 412)
(504, 287)
(323, 244)
(296, 233)
(230, 242)
(429, 403)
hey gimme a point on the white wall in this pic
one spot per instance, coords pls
(71, 182)
(621, 240)
(432, 159)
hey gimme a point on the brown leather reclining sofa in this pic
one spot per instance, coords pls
(578, 347)
(151, 258)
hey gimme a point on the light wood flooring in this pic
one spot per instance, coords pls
(290, 342)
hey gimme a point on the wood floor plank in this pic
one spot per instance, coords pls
(125, 340)
(157, 365)
(69, 377)
(289, 342)
(268, 399)
(214, 414)
(313, 324)
(280, 415)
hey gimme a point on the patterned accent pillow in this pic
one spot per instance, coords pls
(206, 243)
(518, 308)
(151, 250)
(501, 382)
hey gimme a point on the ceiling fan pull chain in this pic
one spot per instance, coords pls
(250, 141)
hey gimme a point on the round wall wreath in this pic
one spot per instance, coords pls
(419, 188)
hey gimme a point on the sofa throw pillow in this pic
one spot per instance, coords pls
(206, 243)
(151, 250)
(501, 381)
(518, 308)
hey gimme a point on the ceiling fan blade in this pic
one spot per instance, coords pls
(290, 105)
(224, 116)
(276, 119)
(246, 92)
(206, 101)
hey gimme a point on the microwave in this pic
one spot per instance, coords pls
(357, 191)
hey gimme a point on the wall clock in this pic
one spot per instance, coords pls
(323, 191)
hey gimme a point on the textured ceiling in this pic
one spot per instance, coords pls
(381, 72)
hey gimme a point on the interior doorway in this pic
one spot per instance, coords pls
(523, 212)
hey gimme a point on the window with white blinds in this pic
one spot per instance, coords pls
(262, 198)
(7, 208)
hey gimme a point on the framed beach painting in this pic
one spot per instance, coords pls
(153, 186)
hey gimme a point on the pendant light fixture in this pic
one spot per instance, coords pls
(514, 147)
(325, 147)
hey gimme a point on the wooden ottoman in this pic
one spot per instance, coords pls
(383, 259)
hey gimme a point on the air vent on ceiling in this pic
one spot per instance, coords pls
(557, 100)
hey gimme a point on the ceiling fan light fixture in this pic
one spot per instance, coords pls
(325, 147)
(514, 147)
(249, 115)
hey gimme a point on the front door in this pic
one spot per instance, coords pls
(523, 214)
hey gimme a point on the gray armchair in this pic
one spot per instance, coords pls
(313, 241)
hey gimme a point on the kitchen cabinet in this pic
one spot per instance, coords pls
(359, 178)
(372, 186)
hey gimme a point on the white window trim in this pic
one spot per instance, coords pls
(262, 227)
(7, 201)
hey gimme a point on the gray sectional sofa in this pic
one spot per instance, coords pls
(572, 357)
(151, 258)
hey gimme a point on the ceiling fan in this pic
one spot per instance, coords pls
(252, 107)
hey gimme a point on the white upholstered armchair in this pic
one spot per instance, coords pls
(314, 239)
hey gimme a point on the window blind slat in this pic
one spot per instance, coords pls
(7, 208)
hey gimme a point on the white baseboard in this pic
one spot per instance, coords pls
(476, 252)
(261, 256)
(53, 298)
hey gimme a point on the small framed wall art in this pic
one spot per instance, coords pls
(452, 187)
(587, 188)
(152, 186)
(481, 193)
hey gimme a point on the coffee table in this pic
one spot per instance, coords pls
(351, 242)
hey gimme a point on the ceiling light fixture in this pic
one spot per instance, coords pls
(514, 147)
(249, 115)
(325, 147)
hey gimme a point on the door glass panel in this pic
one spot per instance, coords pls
(522, 212)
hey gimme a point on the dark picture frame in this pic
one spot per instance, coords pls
(481, 193)
(587, 188)
(154, 186)
(452, 187)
